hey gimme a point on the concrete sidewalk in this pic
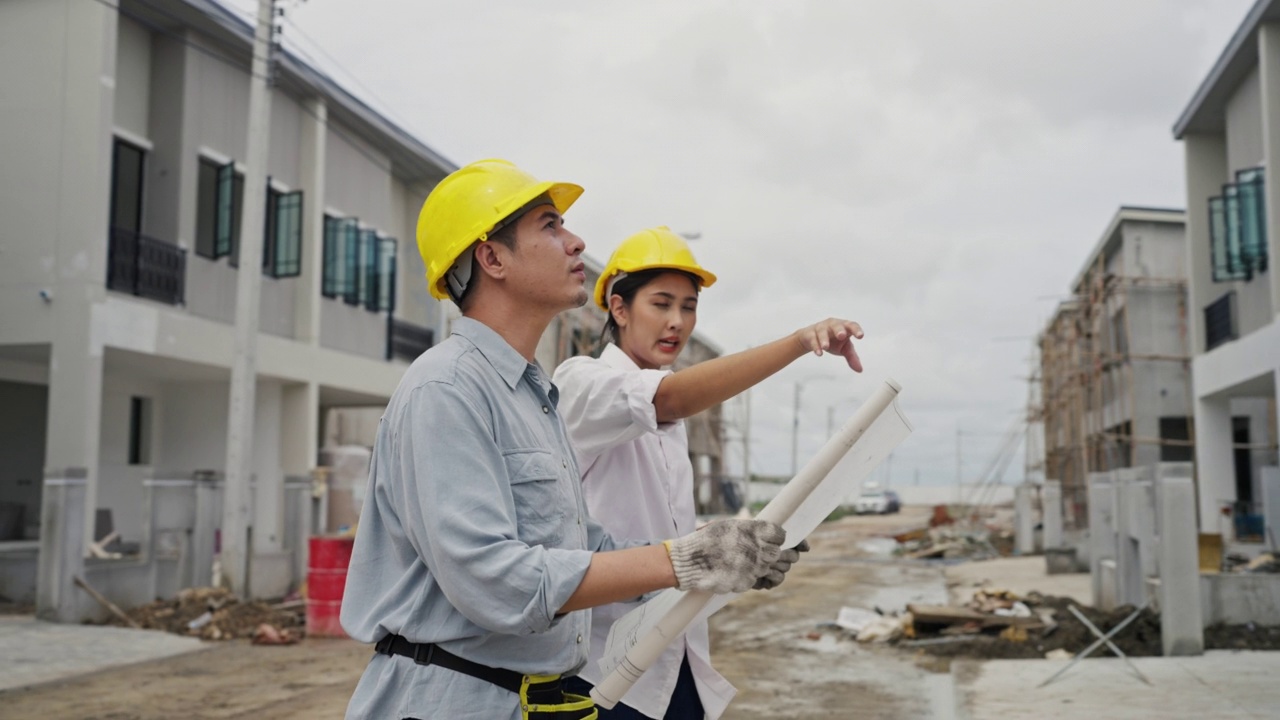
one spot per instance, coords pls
(1221, 684)
(38, 652)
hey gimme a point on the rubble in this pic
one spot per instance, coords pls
(994, 624)
(216, 614)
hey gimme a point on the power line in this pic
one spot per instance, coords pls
(380, 163)
(350, 75)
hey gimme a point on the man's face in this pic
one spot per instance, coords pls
(547, 267)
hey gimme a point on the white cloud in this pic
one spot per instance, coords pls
(936, 170)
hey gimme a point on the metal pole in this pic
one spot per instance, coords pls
(235, 509)
(795, 427)
(746, 449)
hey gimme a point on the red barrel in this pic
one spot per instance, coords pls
(326, 579)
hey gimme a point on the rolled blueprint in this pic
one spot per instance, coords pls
(652, 627)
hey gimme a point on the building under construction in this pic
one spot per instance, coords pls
(1115, 381)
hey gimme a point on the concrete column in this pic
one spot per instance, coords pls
(1269, 81)
(1051, 513)
(1181, 624)
(1215, 462)
(1102, 534)
(311, 160)
(1271, 504)
(62, 545)
(1129, 579)
(204, 535)
(1024, 521)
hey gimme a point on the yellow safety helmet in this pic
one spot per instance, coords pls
(468, 204)
(649, 250)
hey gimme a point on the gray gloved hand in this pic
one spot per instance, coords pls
(726, 556)
(777, 572)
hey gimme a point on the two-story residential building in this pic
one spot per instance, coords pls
(1115, 376)
(124, 133)
(1231, 137)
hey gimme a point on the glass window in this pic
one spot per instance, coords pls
(282, 251)
(351, 261)
(227, 215)
(1253, 221)
(331, 278)
(207, 209)
(126, 186)
(387, 248)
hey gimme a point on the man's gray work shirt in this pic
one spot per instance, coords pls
(473, 533)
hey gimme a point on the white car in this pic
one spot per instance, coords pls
(874, 502)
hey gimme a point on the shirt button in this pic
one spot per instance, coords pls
(579, 639)
(564, 463)
(546, 409)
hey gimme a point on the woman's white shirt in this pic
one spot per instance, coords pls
(638, 482)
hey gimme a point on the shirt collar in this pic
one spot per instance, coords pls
(613, 356)
(511, 365)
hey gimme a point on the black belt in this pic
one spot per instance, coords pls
(432, 654)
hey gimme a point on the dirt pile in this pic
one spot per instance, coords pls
(1060, 630)
(216, 614)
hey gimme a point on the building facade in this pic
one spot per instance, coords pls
(125, 133)
(124, 130)
(1115, 370)
(1230, 133)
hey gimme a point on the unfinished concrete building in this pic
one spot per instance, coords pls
(1114, 364)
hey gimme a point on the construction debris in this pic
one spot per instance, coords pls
(216, 614)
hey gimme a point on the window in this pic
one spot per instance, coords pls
(359, 265)
(1238, 228)
(126, 186)
(367, 270)
(139, 431)
(219, 192)
(1220, 321)
(1179, 430)
(351, 261)
(282, 251)
(383, 298)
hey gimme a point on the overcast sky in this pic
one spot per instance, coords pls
(937, 170)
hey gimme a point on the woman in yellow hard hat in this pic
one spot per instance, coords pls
(625, 415)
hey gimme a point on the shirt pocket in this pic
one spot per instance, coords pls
(535, 490)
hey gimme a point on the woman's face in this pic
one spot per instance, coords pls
(653, 329)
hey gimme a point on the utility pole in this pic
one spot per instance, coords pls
(795, 426)
(236, 548)
(959, 473)
(746, 448)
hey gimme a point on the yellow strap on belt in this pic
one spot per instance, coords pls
(573, 703)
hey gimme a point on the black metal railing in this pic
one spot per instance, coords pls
(146, 267)
(407, 341)
(1220, 321)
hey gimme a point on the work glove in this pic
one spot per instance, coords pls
(726, 556)
(774, 576)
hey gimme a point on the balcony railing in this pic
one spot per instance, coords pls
(407, 341)
(1220, 321)
(146, 267)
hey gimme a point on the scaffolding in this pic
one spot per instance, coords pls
(1089, 372)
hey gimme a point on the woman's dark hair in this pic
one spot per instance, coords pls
(627, 288)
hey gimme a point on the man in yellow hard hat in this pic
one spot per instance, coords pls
(475, 560)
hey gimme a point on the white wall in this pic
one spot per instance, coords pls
(119, 483)
(1244, 126)
(357, 180)
(133, 77)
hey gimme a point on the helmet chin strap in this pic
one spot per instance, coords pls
(458, 276)
(608, 289)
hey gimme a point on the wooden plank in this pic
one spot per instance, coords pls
(104, 602)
